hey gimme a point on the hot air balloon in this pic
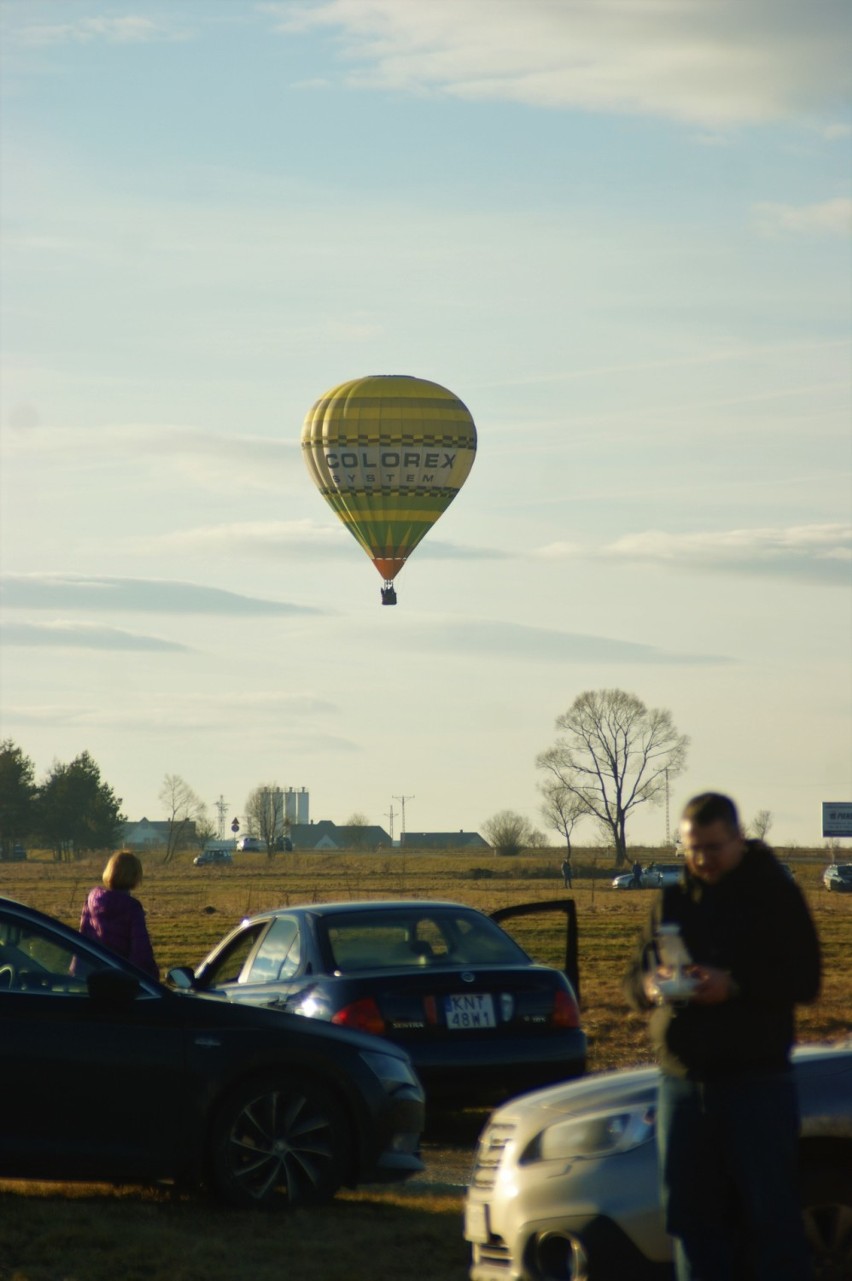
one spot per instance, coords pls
(389, 453)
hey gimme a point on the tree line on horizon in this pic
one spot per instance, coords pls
(611, 755)
(72, 812)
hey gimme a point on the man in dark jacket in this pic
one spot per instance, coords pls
(727, 1123)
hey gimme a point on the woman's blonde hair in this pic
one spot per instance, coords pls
(123, 871)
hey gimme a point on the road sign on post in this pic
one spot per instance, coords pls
(837, 818)
(235, 826)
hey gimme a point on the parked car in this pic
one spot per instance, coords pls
(838, 876)
(251, 845)
(651, 878)
(214, 858)
(565, 1185)
(479, 1018)
(111, 1076)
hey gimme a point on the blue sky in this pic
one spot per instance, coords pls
(621, 234)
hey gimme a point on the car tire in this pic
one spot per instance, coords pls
(827, 1211)
(278, 1141)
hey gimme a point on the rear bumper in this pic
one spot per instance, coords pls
(498, 1068)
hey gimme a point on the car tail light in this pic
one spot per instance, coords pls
(566, 1012)
(361, 1016)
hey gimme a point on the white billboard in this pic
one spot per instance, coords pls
(837, 818)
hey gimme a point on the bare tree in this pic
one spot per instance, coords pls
(614, 754)
(265, 815)
(358, 825)
(760, 824)
(562, 809)
(183, 809)
(508, 833)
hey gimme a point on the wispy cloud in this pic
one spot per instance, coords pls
(73, 635)
(308, 538)
(817, 554)
(215, 461)
(828, 217)
(711, 64)
(259, 538)
(293, 720)
(210, 711)
(126, 29)
(506, 640)
(134, 595)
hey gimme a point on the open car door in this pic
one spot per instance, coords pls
(526, 938)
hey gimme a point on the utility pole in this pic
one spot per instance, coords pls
(668, 827)
(402, 800)
(389, 816)
(221, 809)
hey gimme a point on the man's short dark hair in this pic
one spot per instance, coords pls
(711, 807)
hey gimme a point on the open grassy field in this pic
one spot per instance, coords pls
(97, 1234)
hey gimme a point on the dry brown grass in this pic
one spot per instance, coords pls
(86, 1234)
(189, 909)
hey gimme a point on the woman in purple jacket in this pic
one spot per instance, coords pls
(115, 918)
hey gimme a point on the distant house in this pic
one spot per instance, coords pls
(148, 833)
(326, 835)
(443, 840)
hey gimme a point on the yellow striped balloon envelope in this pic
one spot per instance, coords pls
(389, 453)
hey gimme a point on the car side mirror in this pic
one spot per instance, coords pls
(113, 987)
(182, 977)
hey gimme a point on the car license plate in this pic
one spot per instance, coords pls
(476, 1223)
(470, 1010)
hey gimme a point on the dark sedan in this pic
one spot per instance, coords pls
(109, 1076)
(479, 1018)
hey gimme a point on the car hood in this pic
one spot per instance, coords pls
(606, 1091)
(598, 1092)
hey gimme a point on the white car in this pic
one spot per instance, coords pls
(251, 845)
(838, 876)
(565, 1186)
(651, 878)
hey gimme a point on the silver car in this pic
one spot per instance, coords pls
(564, 1185)
(838, 876)
(651, 878)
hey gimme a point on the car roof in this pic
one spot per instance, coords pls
(364, 906)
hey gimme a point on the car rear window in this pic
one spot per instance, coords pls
(386, 940)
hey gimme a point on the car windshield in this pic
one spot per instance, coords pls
(399, 939)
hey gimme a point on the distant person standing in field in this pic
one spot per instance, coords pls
(567, 876)
(727, 1117)
(115, 918)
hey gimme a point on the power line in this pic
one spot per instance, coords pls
(402, 800)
